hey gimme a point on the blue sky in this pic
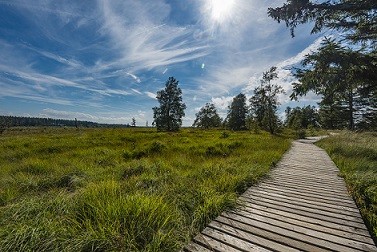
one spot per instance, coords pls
(104, 61)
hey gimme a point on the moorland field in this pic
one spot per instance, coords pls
(67, 189)
(135, 189)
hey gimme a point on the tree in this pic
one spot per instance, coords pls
(168, 117)
(334, 73)
(356, 18)
(133, 122)
(264, 103)
(236, 119)
(301, 118)
(207, 117)
(345, 69)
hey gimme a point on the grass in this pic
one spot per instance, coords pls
(63, 189)
(355, 154)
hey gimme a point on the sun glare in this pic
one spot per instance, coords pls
(220, 10)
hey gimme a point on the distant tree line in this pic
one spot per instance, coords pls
(14, 121)
(262, 113)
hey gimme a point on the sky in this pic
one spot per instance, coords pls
(105, 60)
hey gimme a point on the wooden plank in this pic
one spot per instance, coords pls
(305, 207)
(309, 198)
(240, 244)
(213, 244)
(302, 222)
(194, 247)
(309, 219)
(309, 191)
(347, 203)
(246, 236)
(292, 171)
(313, 182)
(299, 202)
(305, 234)
(303, 211)
(326, 187)
(274, 237)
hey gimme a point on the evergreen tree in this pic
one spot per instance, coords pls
(207, 117)
(347, 75)
(236, 119)
(302, 118)
(263, 104)
(333, 72)
(133, 122)
(168, 117)
(356, 18)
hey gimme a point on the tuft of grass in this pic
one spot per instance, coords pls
(355, 154)
(63, 189)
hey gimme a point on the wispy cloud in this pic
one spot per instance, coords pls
(144, 40)
(150, 95)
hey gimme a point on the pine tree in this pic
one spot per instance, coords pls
(342, 69)
(263, 104)
(168, 117)
(207, 117)
(333, 72)
(236, 119)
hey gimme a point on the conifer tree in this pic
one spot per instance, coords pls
(168, 116)
(207, 117)
(236, 119)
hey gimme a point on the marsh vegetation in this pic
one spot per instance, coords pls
(63, 189)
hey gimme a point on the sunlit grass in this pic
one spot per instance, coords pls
(122, 189)
(356, 156)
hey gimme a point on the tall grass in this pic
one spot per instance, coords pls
(122, 189)
(356, 156)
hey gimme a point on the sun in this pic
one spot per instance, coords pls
(220, 10)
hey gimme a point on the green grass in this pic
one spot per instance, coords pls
(122, 189)
(356, 156)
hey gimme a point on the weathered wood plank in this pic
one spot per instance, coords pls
(303, 212)
(302, 222)
(347, 203)
(350, 219)
(246, 236)
(318, 183)
(309, 199)
(304, 234)
(239, 244)
(299, 202)
(194, 247)
(297, 188)
(213, 244)
(324, 188)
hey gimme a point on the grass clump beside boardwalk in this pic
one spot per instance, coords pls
(355, 154)
(122, 189)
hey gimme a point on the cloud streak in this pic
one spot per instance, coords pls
(146, 43)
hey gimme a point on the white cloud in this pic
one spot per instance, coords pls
(70, 62)
(136, 91)
(285, 77)
(145, 41)
(137, 79)
(150, 94)
(222, 103)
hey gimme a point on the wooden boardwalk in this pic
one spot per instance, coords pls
(303, 206)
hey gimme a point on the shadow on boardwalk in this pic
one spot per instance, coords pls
(303, 206)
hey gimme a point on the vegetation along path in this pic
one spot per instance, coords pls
(303, 206)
